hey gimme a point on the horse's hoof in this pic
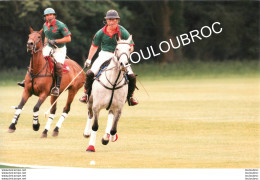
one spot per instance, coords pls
(44, 133)
(91, 149)
(104, 142)
(55, 132)
(114, 138)
(86, 135)
(12, 128)
(36, 127)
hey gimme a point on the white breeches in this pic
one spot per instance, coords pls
(102, 57)
(59, 54)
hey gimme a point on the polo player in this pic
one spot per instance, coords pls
(57, 35)
(107, 39)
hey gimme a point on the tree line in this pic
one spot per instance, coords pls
(150, 23)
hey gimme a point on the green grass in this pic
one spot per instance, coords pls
(184, 123)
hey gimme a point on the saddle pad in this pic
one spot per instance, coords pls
(102, 67)
(66, 68)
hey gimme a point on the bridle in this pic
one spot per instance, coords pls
(118, 56)
(35, 45)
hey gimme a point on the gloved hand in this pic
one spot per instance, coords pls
(52, 42)
(87, 63)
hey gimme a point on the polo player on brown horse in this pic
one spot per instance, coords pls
(39, 79)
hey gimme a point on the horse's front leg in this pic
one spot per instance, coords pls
(36, 124)
(92, 141)
(71, 94)
(110, 119)
(113, 131)
(87, 130)
(51, 117)
(18, 111)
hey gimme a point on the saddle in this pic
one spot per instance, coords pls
(102, 67)
(66, 68)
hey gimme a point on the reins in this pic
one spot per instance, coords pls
(33, 76)
(115, 85)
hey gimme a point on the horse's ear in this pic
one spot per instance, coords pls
(129, 39)
(41, 31)
(31, 29)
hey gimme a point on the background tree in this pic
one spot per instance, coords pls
(150, 22)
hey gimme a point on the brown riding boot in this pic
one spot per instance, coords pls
(131, 89)
(58, 74)
(87, 86)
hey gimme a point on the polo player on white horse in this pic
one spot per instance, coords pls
(107, 39)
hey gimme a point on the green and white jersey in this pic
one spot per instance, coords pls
(56, 30)
(108, 43)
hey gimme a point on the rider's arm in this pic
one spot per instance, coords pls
(63, 40)
(92, 51)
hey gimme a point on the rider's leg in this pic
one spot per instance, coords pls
(102, 57)
(131, 87)
(87, 86)
(58, 73)
(59, 56)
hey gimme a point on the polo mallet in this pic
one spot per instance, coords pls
(48, 111)
(143, 87)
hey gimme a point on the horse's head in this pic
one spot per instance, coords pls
(122, 52)
(34, 41)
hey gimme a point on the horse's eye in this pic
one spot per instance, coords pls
(129, 49)
(117, 49)
(39, 37)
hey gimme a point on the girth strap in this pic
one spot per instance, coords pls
(113, 87)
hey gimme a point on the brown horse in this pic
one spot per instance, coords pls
(39, 81)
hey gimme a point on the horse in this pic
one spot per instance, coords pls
(39, 80)
(109, 90)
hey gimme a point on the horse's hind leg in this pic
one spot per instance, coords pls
(71, 94)
(92, 141)
(113, 130)
(24, 99)
(36, 124)
(51, 117)
(110, 119)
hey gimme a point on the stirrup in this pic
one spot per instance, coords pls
(84, 99)
(55, 91)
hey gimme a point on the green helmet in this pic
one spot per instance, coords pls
(49, 11)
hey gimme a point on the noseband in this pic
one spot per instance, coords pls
(119, 55)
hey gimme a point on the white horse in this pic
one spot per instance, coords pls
(109, 91)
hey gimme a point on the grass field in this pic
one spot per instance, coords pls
(195, 122)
